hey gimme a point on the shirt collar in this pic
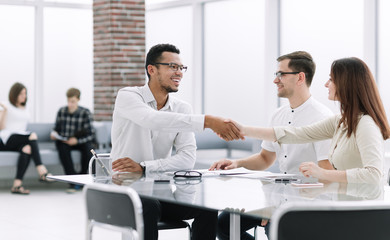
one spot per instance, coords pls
(149, 98)
(303, 105)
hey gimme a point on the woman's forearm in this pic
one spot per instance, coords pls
(262, 133)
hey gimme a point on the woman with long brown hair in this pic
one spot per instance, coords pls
(14, 137)
(358, 133)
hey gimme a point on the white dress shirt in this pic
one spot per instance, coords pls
(143, 133)
(290, 156)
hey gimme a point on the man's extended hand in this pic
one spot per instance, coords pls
(225, 129)
(126, 165)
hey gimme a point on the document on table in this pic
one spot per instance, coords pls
(233, 172)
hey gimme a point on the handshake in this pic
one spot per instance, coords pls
(225, 128)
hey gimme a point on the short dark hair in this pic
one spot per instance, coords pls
(14, 93)
(73, 92)
(301, 61)
(155, 53)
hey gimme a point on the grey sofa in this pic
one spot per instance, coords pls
(49, 154)
(210, 148)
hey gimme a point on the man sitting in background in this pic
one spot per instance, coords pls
(73, 130)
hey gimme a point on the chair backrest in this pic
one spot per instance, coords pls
(331, 220)
(114, 207)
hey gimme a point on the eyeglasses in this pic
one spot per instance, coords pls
(174, 67)
(186, 175)
(279, 75)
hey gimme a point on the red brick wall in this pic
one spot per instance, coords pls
(119, 51)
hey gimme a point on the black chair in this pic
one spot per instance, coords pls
(114, 207)
(331, 220)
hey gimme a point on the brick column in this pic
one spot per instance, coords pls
(119, 51)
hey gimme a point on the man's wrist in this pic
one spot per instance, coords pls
(208, 121)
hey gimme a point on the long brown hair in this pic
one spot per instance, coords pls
(358, 94)
(14, 93)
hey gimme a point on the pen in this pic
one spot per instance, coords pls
(100, 163)
(285, 180)
(162, 180)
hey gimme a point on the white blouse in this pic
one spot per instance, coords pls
(15, 122)
(360, 155)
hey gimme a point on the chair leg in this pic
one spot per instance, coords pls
(189, 232)
(89, 231)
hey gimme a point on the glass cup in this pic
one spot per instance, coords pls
(102, 169)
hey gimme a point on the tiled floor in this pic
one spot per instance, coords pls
(49, 213)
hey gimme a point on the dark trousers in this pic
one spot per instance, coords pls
(246, 223)
(203, 226)
(66, 158)
(16, 142)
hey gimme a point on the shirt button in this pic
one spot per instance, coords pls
(285, 156)
(289, 122)
(292, 110)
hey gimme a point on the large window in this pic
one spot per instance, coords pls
(47, 46)
(234, 60)
(322, 28)
(384, 53)
(68, 51)
(17, 50)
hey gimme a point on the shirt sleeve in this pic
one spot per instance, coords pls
(370, 143)
(185, 156)
(130, 105)
(87, 127)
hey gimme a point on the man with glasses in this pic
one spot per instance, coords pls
(293, 79)
(148, 122)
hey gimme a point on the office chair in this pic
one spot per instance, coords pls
(114, 207)
(331, 220)
(164, 225)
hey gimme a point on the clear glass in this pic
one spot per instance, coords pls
(328, 30)
(158, 31)
(384, 54)
(100, 167)
(17, 50)
(68, 58)
(234, 62)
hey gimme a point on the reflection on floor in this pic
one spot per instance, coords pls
(49, 213)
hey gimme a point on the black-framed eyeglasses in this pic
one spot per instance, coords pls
(279, 75)
(174, 66)
(182, 174)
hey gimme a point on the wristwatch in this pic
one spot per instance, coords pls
(143, 165)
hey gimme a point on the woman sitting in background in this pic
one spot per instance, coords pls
(358, 134)
(14, 137)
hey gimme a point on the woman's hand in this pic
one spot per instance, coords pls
(310, 169)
